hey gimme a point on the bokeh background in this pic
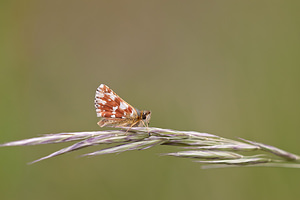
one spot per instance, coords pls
(230, 68)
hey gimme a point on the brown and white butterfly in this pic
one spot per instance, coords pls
(116, 112)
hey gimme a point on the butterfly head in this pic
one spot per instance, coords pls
(145, 116)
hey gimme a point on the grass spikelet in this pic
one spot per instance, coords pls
(207, 149)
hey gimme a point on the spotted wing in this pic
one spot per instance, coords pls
(109, 105)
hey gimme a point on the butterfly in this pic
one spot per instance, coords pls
(116, 112)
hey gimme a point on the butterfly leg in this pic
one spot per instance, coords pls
(132, 125)
(146, 125)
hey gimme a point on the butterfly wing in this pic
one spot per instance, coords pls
(109, 105)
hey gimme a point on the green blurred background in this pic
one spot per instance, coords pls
(230, 68)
